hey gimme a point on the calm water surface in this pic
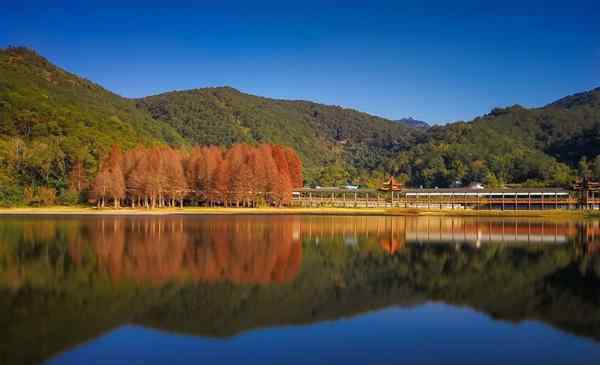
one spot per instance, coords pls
(298, 290)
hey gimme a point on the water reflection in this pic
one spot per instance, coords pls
(67, 280)
(402, 230)
(157, 250)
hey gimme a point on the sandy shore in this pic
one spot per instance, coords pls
(59, 210)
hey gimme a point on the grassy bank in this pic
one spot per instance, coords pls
(82, 210)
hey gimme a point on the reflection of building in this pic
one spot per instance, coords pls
(391, 246)
(393, 233)
(388, 232)
(472, 230)
(391, 185)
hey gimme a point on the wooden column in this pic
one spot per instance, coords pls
(587, 199)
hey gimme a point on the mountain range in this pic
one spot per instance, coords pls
(49, 117)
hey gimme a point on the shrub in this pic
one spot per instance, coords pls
(29, 195)
(47, 196)
(69, 197)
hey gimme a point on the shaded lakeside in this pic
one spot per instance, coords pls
(219, 277)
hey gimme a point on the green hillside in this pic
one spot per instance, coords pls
(541, 146)
(49, 117)
(323, 135)
(509, 145)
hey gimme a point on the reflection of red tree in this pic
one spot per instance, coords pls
(593, 248)
(108, 242)
(247, 251)
(391, 246)
(158, 250)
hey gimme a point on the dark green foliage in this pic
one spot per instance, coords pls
(511, 145)
(49, 116)
(596, 168)
(533, 147)
(321, 134)
(70, 197)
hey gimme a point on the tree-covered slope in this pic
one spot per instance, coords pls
(539, 146)
(322, 134)
(49, 118)
(40, 100)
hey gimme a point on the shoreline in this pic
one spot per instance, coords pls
(61, 210)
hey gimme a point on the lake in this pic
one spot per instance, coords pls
(298, 290)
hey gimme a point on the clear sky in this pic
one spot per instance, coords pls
(436, 61)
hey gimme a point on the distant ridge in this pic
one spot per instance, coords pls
(413, 123)
(589, 98)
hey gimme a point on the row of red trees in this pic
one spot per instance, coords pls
(242, 175)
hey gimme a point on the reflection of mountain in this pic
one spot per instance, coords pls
(218, 276)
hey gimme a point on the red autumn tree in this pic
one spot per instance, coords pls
(115, 171)
(77, 177)
(243, 175)
(101, 187)
(137, 182)
(210, 158)
(192, 166)
(294, 167)
(219, 190)
(176, 184)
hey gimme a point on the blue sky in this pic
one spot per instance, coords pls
(436, 61)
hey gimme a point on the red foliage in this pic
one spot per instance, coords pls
(243, 175)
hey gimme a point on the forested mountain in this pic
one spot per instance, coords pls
(509, 145)
(50, 120)
(513, 145)
(323, 135)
